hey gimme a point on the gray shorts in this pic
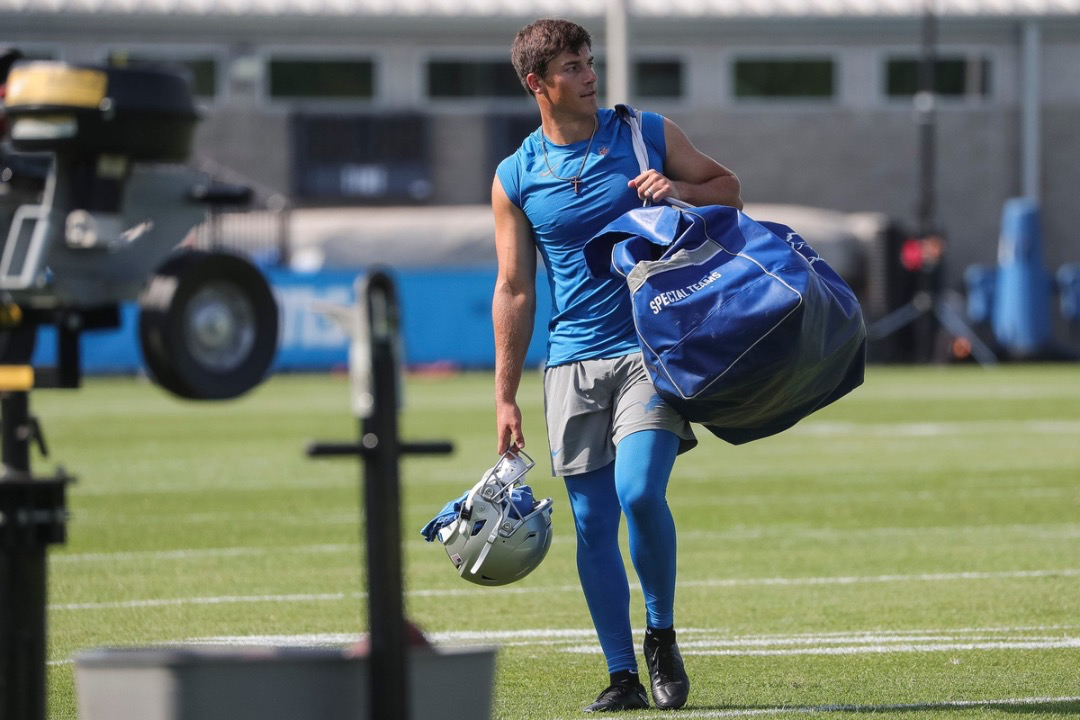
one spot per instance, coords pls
(591, 405)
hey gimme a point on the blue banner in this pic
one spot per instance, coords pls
(446, 321)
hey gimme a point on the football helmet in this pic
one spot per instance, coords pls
(501, 533)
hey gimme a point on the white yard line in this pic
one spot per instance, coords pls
(1037, 530)
(938, 429)
(703, 641)
(868, 649)
(107, 518)
(685, 714)
(716, 582)
(757, 532)
(219, 600)
(862, 579)
(197, 554)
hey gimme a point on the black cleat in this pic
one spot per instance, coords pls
(622, 695)
(670, 683)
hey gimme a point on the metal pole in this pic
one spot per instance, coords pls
(31, 516)
(925, 101)
(22, 578)
(617, 57)
(1030, 119)
(15, 407)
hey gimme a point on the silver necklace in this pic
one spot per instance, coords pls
(576, 180)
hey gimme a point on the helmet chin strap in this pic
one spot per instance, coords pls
(488, 544)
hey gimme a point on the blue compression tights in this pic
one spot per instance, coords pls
(636, 483)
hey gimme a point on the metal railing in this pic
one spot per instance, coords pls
(261, 234)
(258, 229)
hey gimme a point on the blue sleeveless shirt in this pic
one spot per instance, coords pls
(590, 317)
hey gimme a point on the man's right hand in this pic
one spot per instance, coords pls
(508, 417)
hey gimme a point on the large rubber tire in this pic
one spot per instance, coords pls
(208, 326)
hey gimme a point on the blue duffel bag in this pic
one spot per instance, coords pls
(743, 327)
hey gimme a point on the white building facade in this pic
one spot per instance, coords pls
(809, 101)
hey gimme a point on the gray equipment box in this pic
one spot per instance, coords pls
(228, 683)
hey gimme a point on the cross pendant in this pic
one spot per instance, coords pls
(575, 182)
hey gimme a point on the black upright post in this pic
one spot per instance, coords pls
(379, 434)
(375, 398)
(32, 515)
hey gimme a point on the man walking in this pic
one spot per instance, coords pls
(611, 437)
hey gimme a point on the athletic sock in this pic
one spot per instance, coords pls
(660, 636)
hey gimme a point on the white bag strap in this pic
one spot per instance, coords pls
(630, 117)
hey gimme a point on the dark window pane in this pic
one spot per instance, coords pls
(787, 78)
(201, 73)
(652, 78)
(322, 79)
(504, 134)
(361, 157)
(953, 77)
(37, 54)
(658, 78)
(473, 79)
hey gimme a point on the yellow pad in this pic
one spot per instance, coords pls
(14, 378)
(54, 83)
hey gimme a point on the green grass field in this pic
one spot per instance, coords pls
(913, 549)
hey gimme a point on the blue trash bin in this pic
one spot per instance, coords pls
(1021, 316)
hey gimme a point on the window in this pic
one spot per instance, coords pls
(651, 78)
(321, 79)
(361, 157)
(787, 78)
(473, 79)
(953, 76)
(504, 134)
(33, 53)
(658, 79)
(200, 72)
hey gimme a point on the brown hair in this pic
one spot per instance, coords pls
(540, 42)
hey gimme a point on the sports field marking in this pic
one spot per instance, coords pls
(224, 517)
(891, 497)
(141, 556)
(756, 532)
(220, 600)
(859, 579)
(1058, 531)
(867, 709)
(256, 484)
(716, 582)
(864, 649)
(938, 429)
(700, 641)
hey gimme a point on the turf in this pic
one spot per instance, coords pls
(913, 549)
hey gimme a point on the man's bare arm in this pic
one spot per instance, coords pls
(690, 175)
(513, 310)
